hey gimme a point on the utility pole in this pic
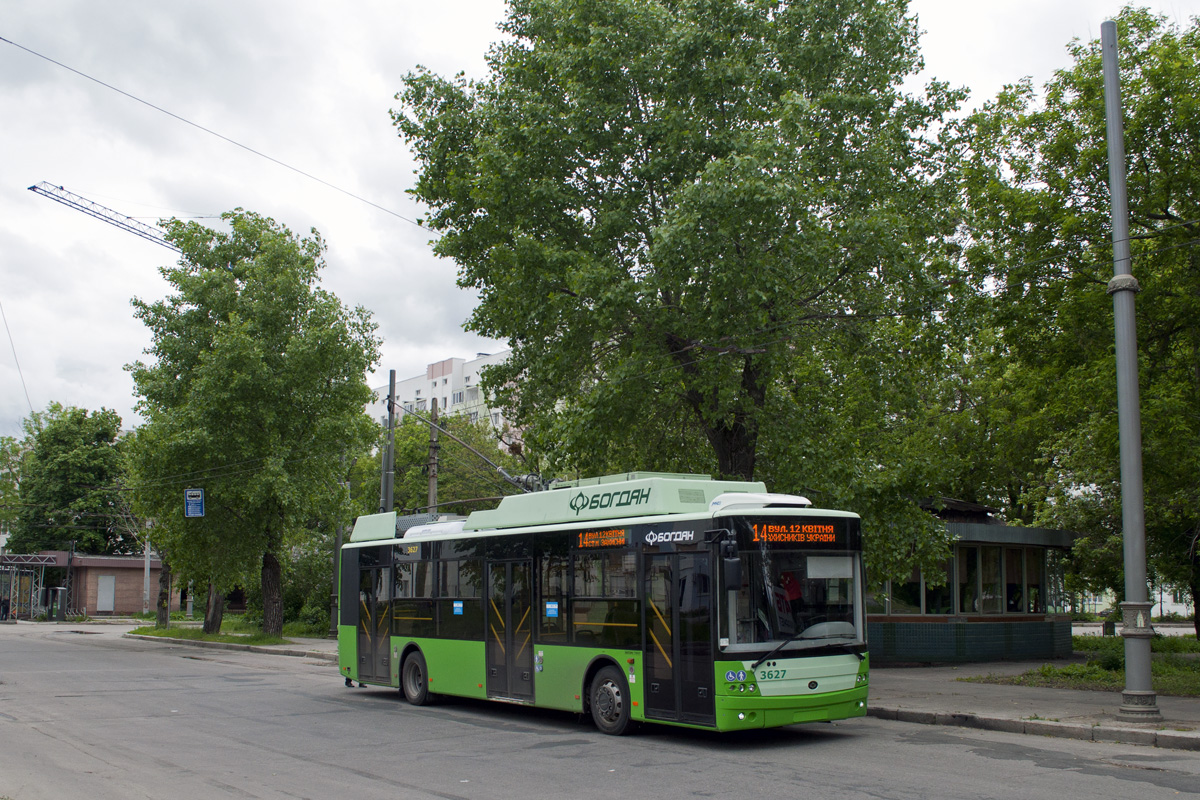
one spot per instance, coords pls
(146, 578)
(433, 455)
(387, 480)
(337, 562)
(1138, 701)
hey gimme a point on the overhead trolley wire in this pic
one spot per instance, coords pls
(16, 361)
(211, 132)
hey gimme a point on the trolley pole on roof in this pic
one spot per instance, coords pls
(1138, 701)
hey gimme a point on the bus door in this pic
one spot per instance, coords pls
(510, 630)
(374, 622)
(678, 648)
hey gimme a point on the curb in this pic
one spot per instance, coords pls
(1175, 740)
(274, 650)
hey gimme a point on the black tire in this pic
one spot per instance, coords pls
(608, 697)
(414, 680)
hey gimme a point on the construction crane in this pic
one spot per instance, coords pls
(98, 211)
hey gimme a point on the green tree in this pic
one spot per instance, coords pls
(69, 491)
(256, 395)
(699, 224)
(11, 451)
(461, 474)
(1037, 181)
(988, 426)
(363, 475)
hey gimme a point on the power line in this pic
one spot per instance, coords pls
(211, 132)
(16, 361)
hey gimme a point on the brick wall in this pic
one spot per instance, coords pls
(129, 588)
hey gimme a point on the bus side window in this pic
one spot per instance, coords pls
(553, 612)
(412, 609)
(604, 609)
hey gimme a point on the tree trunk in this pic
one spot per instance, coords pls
(272, 594)
(733, 434)
(163, 619)
(214, 610)
(735, 445)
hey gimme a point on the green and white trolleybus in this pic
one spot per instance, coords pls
(639, 597)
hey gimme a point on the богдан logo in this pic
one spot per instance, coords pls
(653, 538)
(618, 499)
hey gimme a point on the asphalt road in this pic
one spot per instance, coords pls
(94, 715)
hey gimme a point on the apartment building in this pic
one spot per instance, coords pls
(454, 383)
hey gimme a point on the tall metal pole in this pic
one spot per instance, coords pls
(387, 480)
(146, 579)
(433, 455)
(337, 563)
(1138, 701)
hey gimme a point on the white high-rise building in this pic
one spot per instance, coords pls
(454, 382)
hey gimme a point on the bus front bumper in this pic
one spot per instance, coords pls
(741, 712)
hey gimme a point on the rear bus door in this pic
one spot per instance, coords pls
(510, 630)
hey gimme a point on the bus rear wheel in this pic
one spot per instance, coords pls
(609, 699)
(414, 680)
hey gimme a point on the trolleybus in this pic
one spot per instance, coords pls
(640, 597)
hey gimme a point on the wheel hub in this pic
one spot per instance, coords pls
(609, 701)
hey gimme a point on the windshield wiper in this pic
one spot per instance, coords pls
(796, 636)
(852, 651)
(777, 648)
(846, 647)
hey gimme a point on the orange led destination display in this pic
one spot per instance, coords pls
(795, 533)
(613, 537)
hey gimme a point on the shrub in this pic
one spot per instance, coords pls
(1113, 662)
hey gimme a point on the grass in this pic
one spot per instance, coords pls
(176, 616)
(1115, 644)
(236, 623)
(199, 634)
(235, 629)
(1174, 668)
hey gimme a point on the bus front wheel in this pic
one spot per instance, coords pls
(609, 699)
(414, 679)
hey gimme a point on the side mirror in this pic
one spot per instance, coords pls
(732, 568)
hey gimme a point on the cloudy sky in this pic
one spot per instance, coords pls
(309, 84)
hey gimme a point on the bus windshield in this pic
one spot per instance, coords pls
(810, 598)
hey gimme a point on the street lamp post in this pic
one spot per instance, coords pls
(1138, 701)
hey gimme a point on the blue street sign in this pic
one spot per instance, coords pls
(193, 503)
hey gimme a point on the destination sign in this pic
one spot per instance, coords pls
(794, 533)
(828, 533)
(612, 537)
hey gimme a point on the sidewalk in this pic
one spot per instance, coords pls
(936, 696)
